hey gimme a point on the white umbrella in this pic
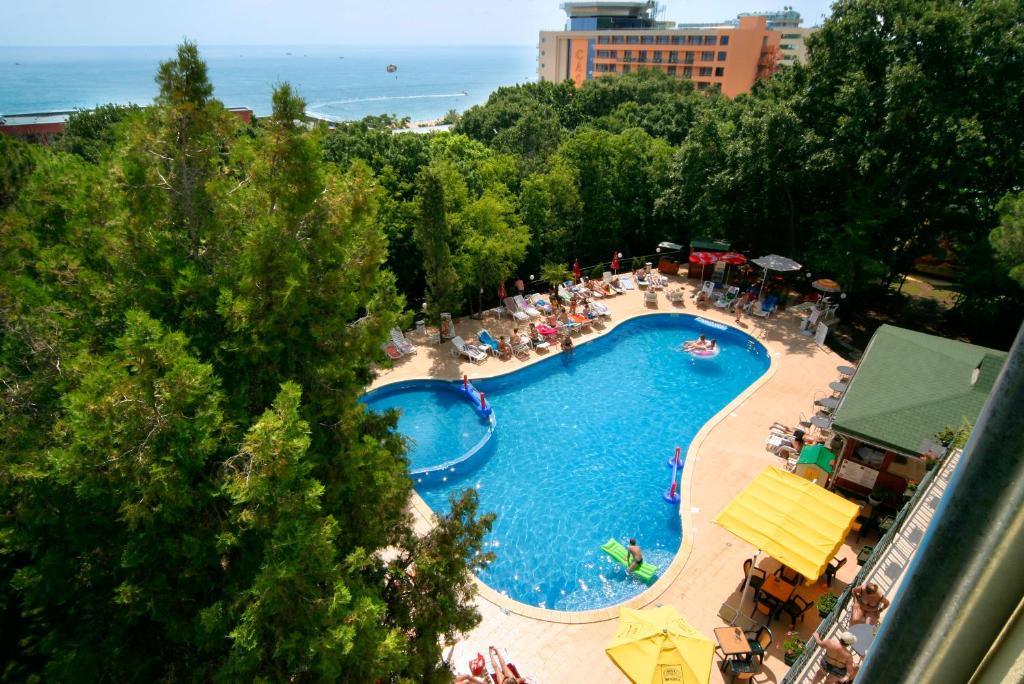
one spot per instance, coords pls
(774, 262)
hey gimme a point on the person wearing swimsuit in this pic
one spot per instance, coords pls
(502, 669)
(868, 604)
(637, 554)
(837, 663)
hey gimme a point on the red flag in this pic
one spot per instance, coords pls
(615, 262)
(501, 291)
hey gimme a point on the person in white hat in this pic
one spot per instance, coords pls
(837, 663)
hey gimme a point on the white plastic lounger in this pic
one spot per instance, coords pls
(525, 306)
(626, 282)
(470, 352)
(404, 345)
(513, 309)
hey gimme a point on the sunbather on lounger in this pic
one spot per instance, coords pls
(504, 349)
(505, 673)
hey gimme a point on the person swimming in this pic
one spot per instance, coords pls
(696, 345)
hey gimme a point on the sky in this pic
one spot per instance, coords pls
(324, 22)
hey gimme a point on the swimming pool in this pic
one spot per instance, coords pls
(579, 454)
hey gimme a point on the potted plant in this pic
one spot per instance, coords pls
(911, 489)
(826, 603)
(877, 496)
(792, 647)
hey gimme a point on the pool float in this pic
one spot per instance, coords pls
(645, 573)
(705, 353)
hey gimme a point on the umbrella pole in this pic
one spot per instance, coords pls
(763, 281)
(746, 585)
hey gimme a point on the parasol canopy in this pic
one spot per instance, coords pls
(826, 285)
(703, 258)
(657, 645)
(734, 258)
(774, 262)
(793, 520)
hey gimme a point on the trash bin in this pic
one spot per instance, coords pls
(421, 327)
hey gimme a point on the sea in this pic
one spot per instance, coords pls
(337, 82)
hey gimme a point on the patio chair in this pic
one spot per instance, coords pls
(393, 352)
(743, 670)
(795, 608)
(789, 575)
(759, 640)
(726, 299)
(486, 338)
(675, 295)
(833, 568)
(404, 345)
(521, 348)
(513, 309)
(766, 605)
(525, 306)
(708, 288)
(651, 298)
(768, 306)
(757, 575)
(469, 351)
(642, 281)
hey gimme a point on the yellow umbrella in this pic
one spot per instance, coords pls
(657, 646)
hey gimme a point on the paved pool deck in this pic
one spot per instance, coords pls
(725, 456)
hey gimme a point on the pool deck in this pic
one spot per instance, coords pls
(726, 455)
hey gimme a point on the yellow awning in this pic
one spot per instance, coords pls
(791, 519)
(657, 646)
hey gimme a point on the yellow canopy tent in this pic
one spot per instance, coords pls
(791, 519)
(657, 646)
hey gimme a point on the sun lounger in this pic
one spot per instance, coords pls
(391, 350)
(404, 345)
(600, 309)
(521, 348)
(541, 304)
(767, 307)
(489, 340)
(581, 321)
(651, 297)
(726, 299)
(626, 282)
(674, 295)
(642, 282)
(469, 351)
(525, 306)
(513, 309)
(547, 330)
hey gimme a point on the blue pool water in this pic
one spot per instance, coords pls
(579, 454)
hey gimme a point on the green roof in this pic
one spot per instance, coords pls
(705, 245)
(910, 385)
(817, 454)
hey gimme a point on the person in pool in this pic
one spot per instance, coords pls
(566, 343)
(637, 554)
(696, 345)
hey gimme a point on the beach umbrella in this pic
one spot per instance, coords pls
(576, 270)
(733, 258)
(703, 258)
(826, 285)
(501, 291)
(615, 262)
(774, 262)
(657, 645)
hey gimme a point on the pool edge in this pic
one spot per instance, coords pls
(682, 555)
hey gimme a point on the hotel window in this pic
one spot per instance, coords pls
(628, 54)
(673, 58)
(719, 71)
(687, 72)
(707, 56)
(618, 40)
(678, 40)
(671, 71)
(702, 85)
(602, 40)
(647, 40)
(626, 68)
(704, 71)
(722, 56)
(662, 40)
(642, 57)
(790, 36)
(709, 40)
(694, 40)
(689, 58)
(724, 40)
(632, 40)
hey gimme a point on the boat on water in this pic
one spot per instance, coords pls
(392, 68)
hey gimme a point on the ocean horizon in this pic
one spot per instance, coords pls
(337, 82)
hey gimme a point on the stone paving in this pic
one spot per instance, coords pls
(551, 647)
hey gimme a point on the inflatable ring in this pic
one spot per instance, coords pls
(705, 353)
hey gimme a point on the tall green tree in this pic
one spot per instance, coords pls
(432, 235)
(492, 243)
(1008, 236)
(91, 133)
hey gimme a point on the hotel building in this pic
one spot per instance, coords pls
(607, 37)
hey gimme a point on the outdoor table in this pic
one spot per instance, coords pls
(846, 370)
(733, 641)
(838, 386)
(828, 402)
(865, 634)
(821, 422)
(777, 588)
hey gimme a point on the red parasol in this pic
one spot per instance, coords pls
(703, 258)
(615, 262)
(501, 291)
(734, 258)
(576, 270)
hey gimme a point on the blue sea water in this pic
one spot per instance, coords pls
(580, 453)
(337, 82)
